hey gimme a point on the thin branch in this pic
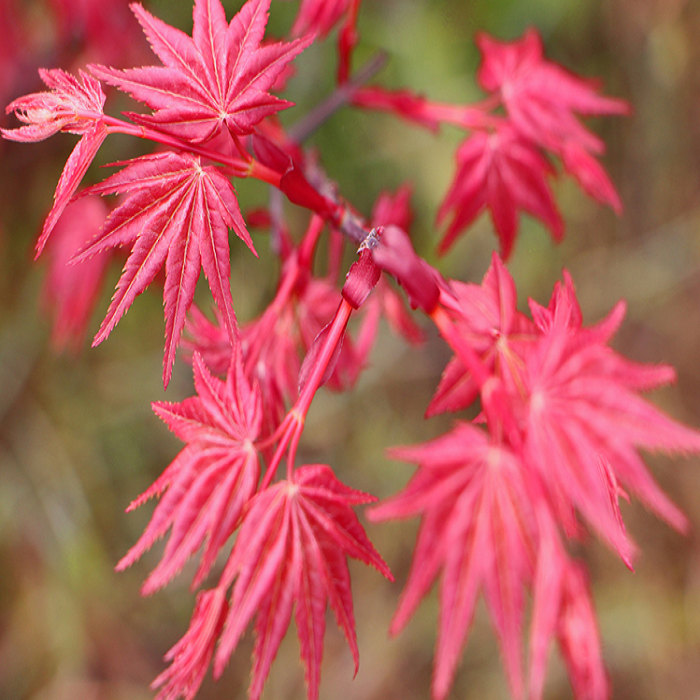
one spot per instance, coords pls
(301, 131)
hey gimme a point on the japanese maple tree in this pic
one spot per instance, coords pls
(505, 499)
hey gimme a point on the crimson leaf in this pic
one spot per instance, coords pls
(501, 172)
(206, 487)
(216, 80)
(291, 551)
(177, 214)
(74, 106)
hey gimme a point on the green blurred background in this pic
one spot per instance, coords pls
(78, 439)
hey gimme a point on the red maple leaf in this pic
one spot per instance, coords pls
(504, 173)
(101, 31)
(72, 105)
(70, 292)
(563, 609)
(565, 425)
(291, 553)
(177, 214)
(542, 100)
(585, 421)
(190, 657)
(211, 480)
(542, 97)
(477, 530)
(216, 80)
(319, 16)
(488, 319)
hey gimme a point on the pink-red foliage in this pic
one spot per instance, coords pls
(504, 173)
(564, 423)
(274, 345)
(178, 214)
(585, 420)
(542, 98)
(504, 167)
(477, 530)
(72, 105)
(70, 290)
(291, 554)
(215, 81)
(207, 486)
(562, 420)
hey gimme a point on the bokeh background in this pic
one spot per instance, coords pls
(78, 439)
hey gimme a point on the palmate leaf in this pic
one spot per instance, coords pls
(291, 555)
(476, 534)
(488, 319)
(319, 16)
(501, 172)
(565, 425)
(177, 214)
(206, 487)
(73, 105)
(543, 100)
(216, 80)
(541, 97)
(586, 420)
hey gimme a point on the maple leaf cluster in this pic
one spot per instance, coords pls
(554, 450)
(291, 548)
(503, 498)
(504, 166)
